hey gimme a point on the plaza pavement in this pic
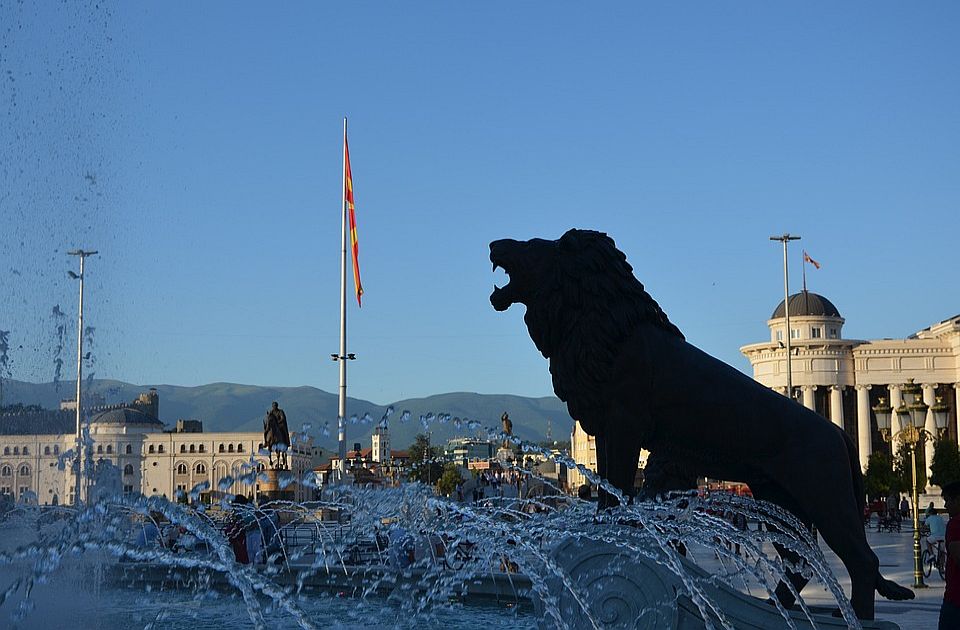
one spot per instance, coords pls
(895, 551)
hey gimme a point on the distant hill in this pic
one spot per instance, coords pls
(233, 407)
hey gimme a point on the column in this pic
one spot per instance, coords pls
(836, 405)
(956, 408)
(864, 431)
(895, 401)
(930, 398)
(808, 400)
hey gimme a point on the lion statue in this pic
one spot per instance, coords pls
(630, 378)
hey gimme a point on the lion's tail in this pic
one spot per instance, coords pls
(855, 473)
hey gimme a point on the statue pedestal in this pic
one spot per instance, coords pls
(622, 588)
(505, 454)
(270, 487)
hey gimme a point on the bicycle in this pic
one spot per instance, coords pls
(938, 559)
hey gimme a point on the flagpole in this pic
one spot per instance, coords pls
(803, 262)
(342, 412)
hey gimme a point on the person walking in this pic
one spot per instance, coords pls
(950, 609)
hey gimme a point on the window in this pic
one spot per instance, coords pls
(815, 332)
(151, 449)
(16, 450)
(794, 333)
(128, 489)
(109, 449)
(5, 490)
(239, 448)
(46, 450)
(26, 451)
(201, 449)
(200, 469)
(222, 449)
(181, 469)
(833, 333)
(6, 450)
(128, 469)
(193, 449)
(231, 448)
(129, 449)
(779, 334)
(6, 471)
(183, 448)
(100, 449)
(24, 471)
(160, 448)
(23, 491)
(56, 449)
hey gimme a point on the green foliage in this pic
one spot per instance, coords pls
(425, 466)
(880, 479)
(902, 469)
(449, 479)
(946, 462)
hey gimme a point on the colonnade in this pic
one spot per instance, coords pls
(893, 393)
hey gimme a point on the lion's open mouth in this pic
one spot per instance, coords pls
(502, 297)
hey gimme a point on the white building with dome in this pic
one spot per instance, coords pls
(842, 379)
(135, 453)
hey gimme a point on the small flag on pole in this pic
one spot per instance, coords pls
(806, 258)
(348, 196)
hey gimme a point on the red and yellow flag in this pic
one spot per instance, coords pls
(806, 258)
(351, 213)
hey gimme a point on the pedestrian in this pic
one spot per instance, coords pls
(904, 508)
(236, 531)
(950, 609)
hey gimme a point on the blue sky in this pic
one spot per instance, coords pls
(198, 147)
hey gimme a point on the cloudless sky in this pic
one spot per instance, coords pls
(198, 147)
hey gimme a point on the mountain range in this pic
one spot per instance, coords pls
(234, 407)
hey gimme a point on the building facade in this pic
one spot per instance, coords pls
(133, 453)
(842, 379)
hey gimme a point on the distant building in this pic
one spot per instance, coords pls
(134, 454)
(842, 379)
(465, 450)
(380, 444)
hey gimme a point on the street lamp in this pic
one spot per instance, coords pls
(81, 254)
(912, 418)
(786, 238)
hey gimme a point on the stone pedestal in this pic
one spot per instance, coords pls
(270, 487)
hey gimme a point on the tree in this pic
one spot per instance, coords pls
(902, 468)
(946, 462)
(880, 479)
(449, 479)
(423, 460)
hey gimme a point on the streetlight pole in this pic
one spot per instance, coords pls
(81, 254)
(912, 418)
(786, 238)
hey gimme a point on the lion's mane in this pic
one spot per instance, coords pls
(585, 309)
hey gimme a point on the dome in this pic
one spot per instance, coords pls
(807, 303)
(125, 416)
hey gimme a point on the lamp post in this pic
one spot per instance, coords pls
(786, 238)
(81, 254)
(912, 418)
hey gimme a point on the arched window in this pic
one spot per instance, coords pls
(24, 471)
(16, 450)
(239, 448)
(151, 449)
(222, 449)
(183, 448)
(6, 450)
(230, 449)
(100, 449)
(129, 449)
(128, 469)
(46, 450)
(26, 451)
(201, 449)
(200, 469)
(56, 449)
(193, 449)
(5, 471)
(109, 449)
(181, 469)
(160, 448)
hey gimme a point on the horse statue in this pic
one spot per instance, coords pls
(276, 436)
